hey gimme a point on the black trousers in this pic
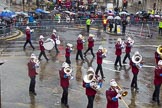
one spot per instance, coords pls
(156, 93)
(127, 55)
(99, 68)
(90, 101)
(160, 31)
(44, 54)
(88, 27)
(68, 59)
(32, 84)
(56, 47)
(28, 41)
(134, 81)
(79, 53)
(91, 49)
(64, 98)
(104, 27)
(123, 29)
(118, 59)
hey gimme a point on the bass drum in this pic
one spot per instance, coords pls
(49, 44)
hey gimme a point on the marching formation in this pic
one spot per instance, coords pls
(92, 81)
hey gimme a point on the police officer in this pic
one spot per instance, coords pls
(118, 52)
(42, 49)
(112, 96)
(104, 22)
(124, 24)
(32, 74)
(80, 42)
(64, 83)
(128, 46)
(90, 45)
(100, 56)
(160, 27)
(55, 37)
(88, 23)
(157, 82)
(28, 37)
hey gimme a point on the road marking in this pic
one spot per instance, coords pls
(15, 37)
(146, 45)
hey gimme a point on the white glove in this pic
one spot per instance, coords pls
(92, 84)
(118, 95)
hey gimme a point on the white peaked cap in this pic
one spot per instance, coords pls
(100, 47)
(41, 37)
(54, 31)
(65, 64)
(79, 36)
(70, 45)
(90, 69)
(119, 39)
(136, 52)
(160, 62)
(113, 82)
(129, 39)
(33, 56)
(27, 27)
(91, 35)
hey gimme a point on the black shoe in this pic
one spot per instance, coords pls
(66, 105)
(24, 49)
(137, 89)
(121, 66)
(33, 49)
(34, 93)
(124, 62)
(154, 99)
(77, 59)
(47, 60)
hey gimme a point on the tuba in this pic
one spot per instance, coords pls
(137, 59)
(159, 50)
(91, 79)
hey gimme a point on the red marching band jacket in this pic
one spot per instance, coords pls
(118, 47)
(157, 77)
(135, 69)
(41, 45)
(31, 69)
(89, 91)
(64, 82)
(67, 52)
(79, 44)
(99, 57)
(128, 47)
(90, 42)
(157, 57)
(28, 35)
(109, 95)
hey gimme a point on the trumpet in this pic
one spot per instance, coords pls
(92, 80)
(68, 71)
(159, 50)
(137, 59)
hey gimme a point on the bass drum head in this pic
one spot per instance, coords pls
(48, 44)
(58, 42)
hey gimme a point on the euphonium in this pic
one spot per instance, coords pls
(159, 50)
(68, 70)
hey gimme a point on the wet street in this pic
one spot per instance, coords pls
(15, 80)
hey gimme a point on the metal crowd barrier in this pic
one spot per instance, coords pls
(6, 30)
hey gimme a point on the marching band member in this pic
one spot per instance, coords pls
(28, 37)
(32, 74)
(128, 46)
(55, 37)
(158, 54)
(90, 92)
(90, 45)
(68, 50)
(112, 96)
(157, 82)
(100, 56)
(118, 52)
(79, 47)
(64, 83)
(42, 49)
(135, 70)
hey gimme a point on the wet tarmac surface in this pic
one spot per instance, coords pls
(15, 80)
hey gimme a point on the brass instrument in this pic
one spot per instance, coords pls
(81, 37)
(90, 78)
(119, 40)
(159, 50)
(68, 70)
(131, 41)
(137, 59)
(35, 60)
(70, 45)
(104, 50)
